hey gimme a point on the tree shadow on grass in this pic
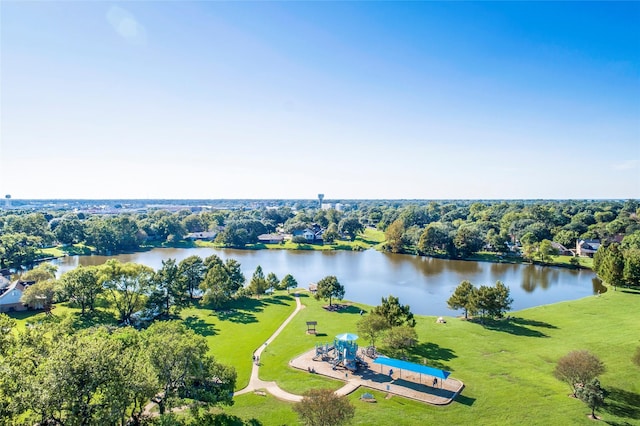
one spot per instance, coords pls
(432, 354)
(92, 319)
(242, 317)
(532, 323)
(200, 326)
(506, 326)
(622, 403)
(464, 400)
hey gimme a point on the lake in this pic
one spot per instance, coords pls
(423, 283)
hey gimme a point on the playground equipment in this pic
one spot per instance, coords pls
(343, 352)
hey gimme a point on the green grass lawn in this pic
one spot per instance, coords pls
(507, 366)
(235, 335)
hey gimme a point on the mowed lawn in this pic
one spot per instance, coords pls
(234, 334)
(507, 366)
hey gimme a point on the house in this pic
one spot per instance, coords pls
(587, 248)
(10, 294)
(270, 238)
(206, 235)
(562, 250)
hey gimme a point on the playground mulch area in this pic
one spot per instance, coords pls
(405, 384)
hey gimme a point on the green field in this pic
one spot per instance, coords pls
(506, 365)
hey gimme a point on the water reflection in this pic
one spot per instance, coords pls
(423, 283)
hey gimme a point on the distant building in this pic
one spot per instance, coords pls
(587, 248)
(10, 294)
(270, 238)
(206, 235)
(562, 250)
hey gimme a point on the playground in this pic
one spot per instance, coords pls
(343, 360)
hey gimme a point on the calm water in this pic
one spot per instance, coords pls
(423, 283)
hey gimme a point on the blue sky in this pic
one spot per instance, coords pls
(288, 99)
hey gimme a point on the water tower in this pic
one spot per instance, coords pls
(320, 198)
(7, 201)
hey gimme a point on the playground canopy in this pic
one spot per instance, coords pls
(347, 337)
(410, 366)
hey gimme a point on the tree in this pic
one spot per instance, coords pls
(592, 395)
(372, 326)
(401, 338)
(40, 295)
(90, 377)
(464, 297)
(350, 226)
(82, 286)
(258, 284)
(468, 240)
(546, 250)
(331, 234)
(493, 301)
(272, 281)
(395, 236)
(435, 237)
(578, 368)
(322, 407)
(179, 359)
(631, 271)
(18, 249)
(328, 288)
(42, 272)
(395, 313)
(192, 271)
(288, 282)
(127, 285)
(7, 336)
(169, 289)
(611, 265)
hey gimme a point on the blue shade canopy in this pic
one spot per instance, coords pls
(347, 337)
(410, 366)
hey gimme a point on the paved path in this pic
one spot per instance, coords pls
(255, 384)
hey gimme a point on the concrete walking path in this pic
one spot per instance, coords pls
(255, 383)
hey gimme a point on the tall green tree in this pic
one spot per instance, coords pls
(258, 284)
(394, 312)
(81, 286)
(40, 295)
(372, 326)
(464, 297)
(272, 281)
(611, 267)
(468, 240)
(631, 273)
(183, 367)
(400, 338)
(192, 272)
(329, 288)
(350, 226)
(394, 235)
(127, 286)
(288, 282)
(169, 289)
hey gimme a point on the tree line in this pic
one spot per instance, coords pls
(133, 289)
(450, 229)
